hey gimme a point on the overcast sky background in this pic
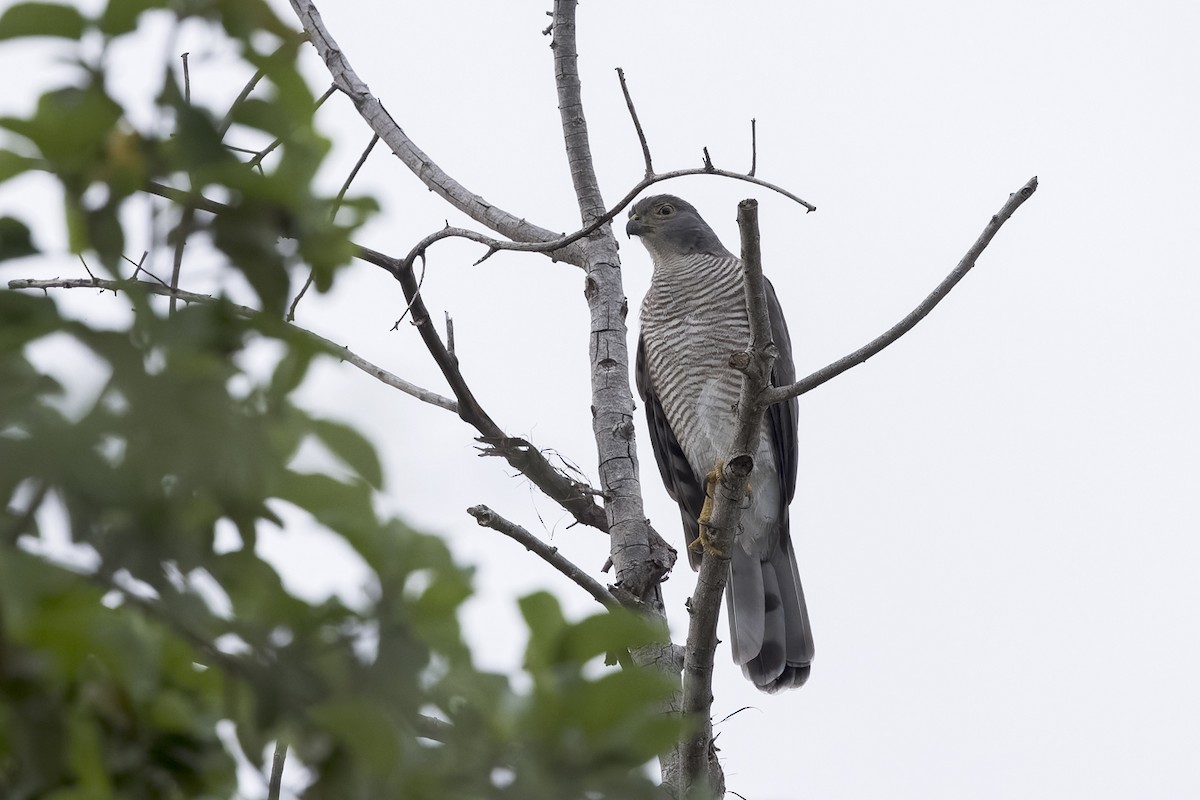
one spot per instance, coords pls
(996, 518)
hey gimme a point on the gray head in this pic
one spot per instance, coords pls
(669, 227)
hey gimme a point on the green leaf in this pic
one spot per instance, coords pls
(608, 632)
(546, 624)
(198, 148)
(105, 234)
(71, 128)
(41, 19)
(364, 729)
(249, 236)
(121, 16)
(13, 164)
(352, 447)
(26, 317)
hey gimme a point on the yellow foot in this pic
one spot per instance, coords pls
(703, 542)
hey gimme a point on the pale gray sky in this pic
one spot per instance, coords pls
(996, 518)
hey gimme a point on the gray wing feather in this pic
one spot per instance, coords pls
(781, 417)
(787, 644)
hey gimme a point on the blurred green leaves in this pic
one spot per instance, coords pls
(148, 615)
(41, 19)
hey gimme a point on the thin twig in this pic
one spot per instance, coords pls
(187, 223)
(333, 349)
(187, 217)
(416, 292)
(138, 267)
(337, 203)
(276, 783)
(256, 161)
(358, 165)
(637, 125)
(753, 148)
(227, 120)
(859, 356)
(187, 80)
(291, 314)
(488, 518)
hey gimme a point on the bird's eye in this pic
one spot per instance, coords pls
(666, 211)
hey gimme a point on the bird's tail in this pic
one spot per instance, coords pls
(768, 619)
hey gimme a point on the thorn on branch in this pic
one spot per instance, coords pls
(708, 164)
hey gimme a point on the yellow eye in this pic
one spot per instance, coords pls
(666, 210)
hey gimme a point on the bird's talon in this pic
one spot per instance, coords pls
(704, 543)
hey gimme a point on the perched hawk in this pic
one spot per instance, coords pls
(693, 318)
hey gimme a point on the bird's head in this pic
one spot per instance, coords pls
(669, 226)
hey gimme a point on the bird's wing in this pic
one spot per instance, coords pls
(781, 417)
(681, 482)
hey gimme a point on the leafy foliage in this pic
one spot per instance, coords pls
(118, 664)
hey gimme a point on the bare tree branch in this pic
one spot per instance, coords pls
(634, 546)
(637, 125)
(638, 554)
(488, 518)
(421, 165)
(523, 456)
(333, 349)
(277, 761)
(495, 245)
(700, 764)
(859, 356)
(570, 112)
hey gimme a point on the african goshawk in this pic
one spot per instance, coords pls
(693, 318)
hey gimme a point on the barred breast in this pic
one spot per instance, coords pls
(693, 318)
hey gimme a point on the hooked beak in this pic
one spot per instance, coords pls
(635, 227)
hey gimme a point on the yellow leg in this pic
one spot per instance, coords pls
(703, 542)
